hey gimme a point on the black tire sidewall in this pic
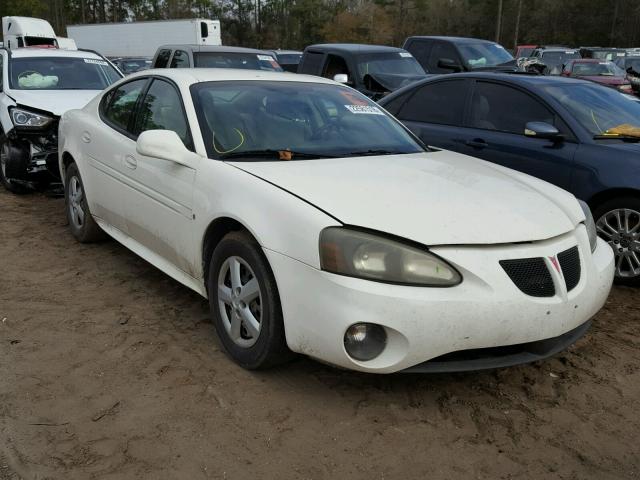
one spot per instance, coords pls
(8, 184)
(613, 204)
(82, 234)
(270, 348)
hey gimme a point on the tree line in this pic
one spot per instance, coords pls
(297, 23)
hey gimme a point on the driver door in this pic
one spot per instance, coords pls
(158, 202)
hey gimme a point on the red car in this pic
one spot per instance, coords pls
(599, 71)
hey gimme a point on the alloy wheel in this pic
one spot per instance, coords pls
(240, 301)
(621, 229)
(75, 195)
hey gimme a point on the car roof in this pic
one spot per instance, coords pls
(354, 48)
(560, 49)
(189, 76)
(52, 52)
(452, 39)
(278, 52)
(211, 48)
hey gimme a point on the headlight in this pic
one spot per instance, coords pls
(26, 119)
(590, 224)
(372, 257)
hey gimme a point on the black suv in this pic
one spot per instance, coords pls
(459, 54)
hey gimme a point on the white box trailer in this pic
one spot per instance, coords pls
(142, 39)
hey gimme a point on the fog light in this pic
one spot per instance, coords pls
(365, 341)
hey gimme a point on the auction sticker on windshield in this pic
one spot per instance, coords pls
(97, 62)
(406, 54)
(364, 109)
(265, 58)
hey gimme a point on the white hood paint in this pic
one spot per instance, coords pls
(53, 101)
(438, 198)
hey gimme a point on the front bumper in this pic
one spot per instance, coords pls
(486, 310)
(34, 154)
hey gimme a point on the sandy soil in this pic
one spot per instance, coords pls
(109, 369)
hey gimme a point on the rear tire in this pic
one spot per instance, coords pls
(618, 223)
(9, 184)
(83, 227)
(245, 304)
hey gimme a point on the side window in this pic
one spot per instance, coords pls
(118, 105)
(393, 106)
(440, 102)
(162, 59)
(161, 109)
(420, 50)
(311, 63)
(180, 59)
(505, 109)
(335, 65)
(442, 51)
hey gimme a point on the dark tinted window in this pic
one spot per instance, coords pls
(393, 106)
(162, 59)
(246, 61)
(440, 102)
(119, 103)
(311, 63)
(161, 109)
(420, 49)
(336, 65)
(180, 59)
(442, 51)
(505, 109)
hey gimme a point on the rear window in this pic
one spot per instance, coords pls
(246, 61)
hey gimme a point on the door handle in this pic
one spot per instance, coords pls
(130, 162)
(86, 137)
(477, 143)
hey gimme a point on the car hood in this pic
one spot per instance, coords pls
(435, 198)
(604, 79)
(53, 101)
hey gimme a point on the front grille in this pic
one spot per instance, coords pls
(530, 275)
(570, 264)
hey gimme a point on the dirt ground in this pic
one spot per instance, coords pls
(109, 369)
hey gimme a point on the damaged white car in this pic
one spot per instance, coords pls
(316, 223)
(37, 85)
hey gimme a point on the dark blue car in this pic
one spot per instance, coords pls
(573, 133)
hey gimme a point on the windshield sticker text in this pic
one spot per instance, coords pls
(97, 62)
(364, 109)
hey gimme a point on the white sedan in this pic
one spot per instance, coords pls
(315, 223)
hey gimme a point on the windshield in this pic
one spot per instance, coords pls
(289, 58)
(598, 109)
(133, 65)
(478, 55)
(594, 69)
(605, 54)
(308, 119)
(526, 51)
(632, 65)
(557, 59)
(61, 73)
(399, 63)
(247, 61)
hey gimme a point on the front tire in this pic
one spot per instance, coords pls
(245, 304)
(8, 183)
(83, 227)
(618, 223)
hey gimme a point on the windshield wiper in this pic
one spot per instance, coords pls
(372, 152)
(275, 154)
(616, 136)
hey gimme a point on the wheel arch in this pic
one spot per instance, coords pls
(601, 197)
(215, 231)
(66, 160)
